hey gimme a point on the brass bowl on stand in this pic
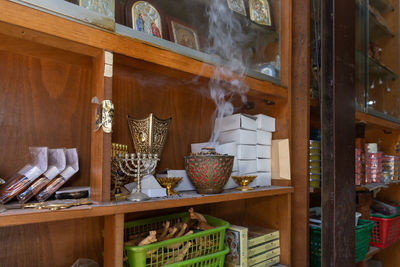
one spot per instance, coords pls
(169, 183)
(243, 182)
(208, 170)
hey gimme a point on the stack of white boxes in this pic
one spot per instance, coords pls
(253, 146)
(265, 128)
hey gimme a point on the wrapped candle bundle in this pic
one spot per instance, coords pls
(57, 163)
(60, 180)
(25, 176)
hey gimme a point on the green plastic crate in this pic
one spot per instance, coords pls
(206, 250)
(363, 234)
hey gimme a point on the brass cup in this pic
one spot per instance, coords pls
(243, 182)
(169, 183)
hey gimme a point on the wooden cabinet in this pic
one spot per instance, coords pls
(51, 67)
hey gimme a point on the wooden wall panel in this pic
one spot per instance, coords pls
(43, 103)
(56, 244)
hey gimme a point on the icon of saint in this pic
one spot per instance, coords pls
(140, 23)
(154, 30)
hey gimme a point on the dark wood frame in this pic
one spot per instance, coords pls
(169, 20)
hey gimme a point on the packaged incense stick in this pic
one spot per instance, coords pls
(25, 176)
(57, 163)
(71, 168)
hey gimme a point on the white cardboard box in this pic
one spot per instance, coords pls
(263, 152)
(246, 152)
(184, 185)
(240, 136)
(228, 148)
(263, 137)
(265, 123)
(231, 183)
(263, 179)
(236, 121)
(263, 165)
(150, 187)
(247, 166)
(235, 167)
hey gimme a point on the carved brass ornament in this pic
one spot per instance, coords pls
(57, 205)
(149, 134)
(104, 115)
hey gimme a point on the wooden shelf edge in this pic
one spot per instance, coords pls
(21, 217)
(376, 122)
(125, 45)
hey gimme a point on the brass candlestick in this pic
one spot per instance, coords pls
(138, 165)
(118, 178)
(243, 182)
(169, 183)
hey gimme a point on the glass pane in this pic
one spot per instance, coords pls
(383, 59)
(361, 51)
(239, 33)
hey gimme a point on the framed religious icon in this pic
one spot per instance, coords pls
(260, 12)
(183, 34)
(237, 6)
(145, 18)
(104, 7)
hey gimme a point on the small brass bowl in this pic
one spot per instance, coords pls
(169, 183)
(243, 182)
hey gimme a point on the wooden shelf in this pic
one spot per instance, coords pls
(382, 5)
(27, 216)
(379, 70)
(376, 122)
(378, 30)
(56, 27)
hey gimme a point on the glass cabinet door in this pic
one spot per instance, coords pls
(242, 32)
(378, 58)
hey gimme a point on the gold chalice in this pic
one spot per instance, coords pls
(243, 182)
(169, 183)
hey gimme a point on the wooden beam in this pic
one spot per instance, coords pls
(100, 167)
(113, 240)
(300, 114)
(338, 132)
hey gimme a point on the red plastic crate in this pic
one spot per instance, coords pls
(386, 231)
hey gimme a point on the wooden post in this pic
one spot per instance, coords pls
(113, 240)
(338, 132)
(100, 171)
(300, 109)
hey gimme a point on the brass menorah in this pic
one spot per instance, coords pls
(138, 165)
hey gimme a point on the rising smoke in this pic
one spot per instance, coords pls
(227, 39)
